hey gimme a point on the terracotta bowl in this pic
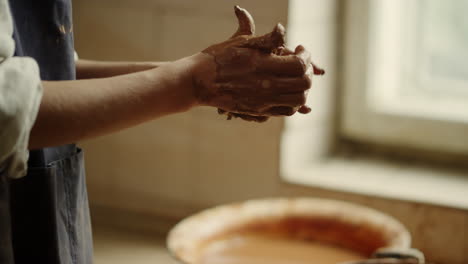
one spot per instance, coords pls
(347, 225)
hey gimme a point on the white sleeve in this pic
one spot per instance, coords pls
(20, 95)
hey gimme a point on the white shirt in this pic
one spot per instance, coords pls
(20, 96)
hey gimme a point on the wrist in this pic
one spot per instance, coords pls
(203, 72)
(147, 65)
(198, 70)
(177, 79)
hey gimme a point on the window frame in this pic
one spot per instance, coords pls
(376, 122)
(315, 153)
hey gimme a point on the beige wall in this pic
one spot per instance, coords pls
(180, 157)
(179, 164)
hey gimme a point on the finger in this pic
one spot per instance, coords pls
(270, 41)
(294, 64)
(304, 109)
(290, 100)
(289, 65)
(246, 117)
(317, 70)
(266, 87)
(288, 85)
(282, 51)
(304, 55)
(281, 111)
(252, 118)
(246, 22)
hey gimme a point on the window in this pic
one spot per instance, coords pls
(406, 74)
(397, 80)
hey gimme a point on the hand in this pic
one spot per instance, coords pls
(255, 77)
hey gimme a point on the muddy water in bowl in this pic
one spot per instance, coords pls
(268, 249)
(283, 231)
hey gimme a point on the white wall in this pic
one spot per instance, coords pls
(179, 164)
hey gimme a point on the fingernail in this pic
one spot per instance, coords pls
(304, 109)
(317, 70)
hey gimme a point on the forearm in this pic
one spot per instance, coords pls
(88, 69)
(76, 110)
(246, 76)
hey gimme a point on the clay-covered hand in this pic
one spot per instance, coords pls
(255, 77)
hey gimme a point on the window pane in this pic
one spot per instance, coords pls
(445, 40)
(418, 58)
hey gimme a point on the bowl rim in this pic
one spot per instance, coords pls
(185, 238)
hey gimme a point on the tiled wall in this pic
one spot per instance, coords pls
(179, 164)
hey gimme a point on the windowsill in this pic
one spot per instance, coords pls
(385, 179)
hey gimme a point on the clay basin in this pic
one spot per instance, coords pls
(274, 231)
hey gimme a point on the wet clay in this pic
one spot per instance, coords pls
(268, 249)
(256, 76)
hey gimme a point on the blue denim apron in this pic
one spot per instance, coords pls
(6, 248)
(49, 214)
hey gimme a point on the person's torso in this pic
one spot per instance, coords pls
(43, 30)
(49, 206)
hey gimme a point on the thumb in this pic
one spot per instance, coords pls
(246, 22)
(268, 42)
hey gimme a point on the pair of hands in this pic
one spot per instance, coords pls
(256, 77)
